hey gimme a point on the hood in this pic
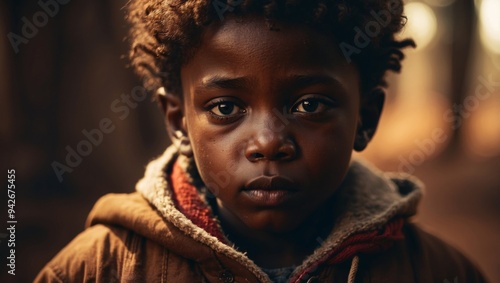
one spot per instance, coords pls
(367, 200)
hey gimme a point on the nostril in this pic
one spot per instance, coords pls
(272, 151)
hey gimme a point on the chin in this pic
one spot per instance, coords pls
(274, 223)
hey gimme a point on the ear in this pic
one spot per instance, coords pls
(175, 120)
(370, 111)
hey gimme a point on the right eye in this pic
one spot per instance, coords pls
(224, 109)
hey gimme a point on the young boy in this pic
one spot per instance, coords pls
(264, 102)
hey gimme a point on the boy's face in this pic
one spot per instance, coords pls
(259, 103)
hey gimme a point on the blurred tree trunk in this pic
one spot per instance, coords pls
(463, 24)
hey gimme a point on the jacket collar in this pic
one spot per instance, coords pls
(367, 200)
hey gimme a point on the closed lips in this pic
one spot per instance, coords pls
(270, 183)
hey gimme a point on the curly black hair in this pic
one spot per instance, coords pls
(165, 33)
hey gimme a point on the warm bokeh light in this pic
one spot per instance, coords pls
(490, 24)
(421, 25)
(483, 129)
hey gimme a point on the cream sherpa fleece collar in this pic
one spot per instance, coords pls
(369, 199)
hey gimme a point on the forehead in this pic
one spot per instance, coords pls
(248, 47)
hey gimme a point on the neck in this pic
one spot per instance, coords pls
(275, 250)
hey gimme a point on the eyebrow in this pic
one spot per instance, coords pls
(302, 81)
(222, 82)
(290, 82)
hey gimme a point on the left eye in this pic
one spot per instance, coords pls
(311, 105)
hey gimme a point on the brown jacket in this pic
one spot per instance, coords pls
(143, 237)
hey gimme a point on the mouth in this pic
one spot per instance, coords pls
(270, 190)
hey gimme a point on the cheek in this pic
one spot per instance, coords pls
(211, 167)
(215, 157)
(327, 160)
(327, 152)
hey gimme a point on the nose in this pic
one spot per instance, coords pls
(270, 145)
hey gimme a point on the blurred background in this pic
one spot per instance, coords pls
(64, 74)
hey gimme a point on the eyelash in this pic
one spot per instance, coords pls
(214, 103)
(327, 102)
(219, 101)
